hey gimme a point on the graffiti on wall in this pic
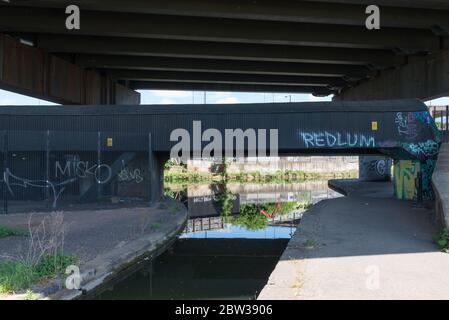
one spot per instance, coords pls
(130, 175)
(405, 179)
(374, 168)
(405, 173)
(422, 150)
(407, 125)
(66, 174)
(56, 188)
(102, 173)
(338, 140)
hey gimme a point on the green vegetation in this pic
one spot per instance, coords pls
(43, 258)
(156, 226)
(20, 275)
(287, 176)
(30, 295)
(173, 209)
(251, 218)
(309, 244)
(442, 239)
(7, 232)
(180, 175)
(185, 176)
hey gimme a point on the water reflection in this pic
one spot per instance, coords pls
(235, 235)
(248, 210)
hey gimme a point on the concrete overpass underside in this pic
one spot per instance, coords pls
(319, 47)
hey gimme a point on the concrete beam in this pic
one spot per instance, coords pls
(423, 78)
(118, 24)
(216, 50)
(34, 72)
(267, 10)
(426, 4)
(223, 66)
(153, 85)
(225, 78)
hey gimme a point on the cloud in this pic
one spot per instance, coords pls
(444, 101)
(227, 100)
(167, 101)
(312, 98)
(171, 93)
(7, 101)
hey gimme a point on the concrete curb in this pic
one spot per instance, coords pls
(104, 268)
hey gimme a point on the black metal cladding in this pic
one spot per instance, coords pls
(129, 126)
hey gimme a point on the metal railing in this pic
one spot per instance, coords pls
(441, 116)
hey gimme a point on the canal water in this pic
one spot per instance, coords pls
(235, 235)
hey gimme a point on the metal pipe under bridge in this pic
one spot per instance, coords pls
(401, 129)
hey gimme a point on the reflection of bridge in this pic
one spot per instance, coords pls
(402, 130)
(308, 191)
(201, 197)
(204, 224)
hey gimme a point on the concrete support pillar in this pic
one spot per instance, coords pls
(156, 162)
(34, 72)
(374, 168)
(156, 169)
(423, 77)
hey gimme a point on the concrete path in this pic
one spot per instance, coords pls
(367, 245)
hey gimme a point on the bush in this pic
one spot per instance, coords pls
(442, 239)
(51, 266)
(15, 275)
(19, 275)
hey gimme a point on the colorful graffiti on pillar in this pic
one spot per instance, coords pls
(405, 173)
(405, 179)
(425, 152)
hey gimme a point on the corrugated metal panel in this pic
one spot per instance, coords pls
(345, 122)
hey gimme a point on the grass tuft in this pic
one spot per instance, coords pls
(6, 231)
(442, 239)
(19, 275)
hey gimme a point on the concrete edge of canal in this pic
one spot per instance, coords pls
(113, 252)
(97, 273)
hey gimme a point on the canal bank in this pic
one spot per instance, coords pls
(105, 242)
(366, 245)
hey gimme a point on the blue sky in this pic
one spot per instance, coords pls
(197, 97)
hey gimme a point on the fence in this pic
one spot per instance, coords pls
(53, 170)
(441, 117)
